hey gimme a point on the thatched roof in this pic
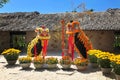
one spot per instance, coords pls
(28, 21)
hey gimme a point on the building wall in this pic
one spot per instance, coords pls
(4, 40)
(54, 42)
(30, 35)
(102, 40)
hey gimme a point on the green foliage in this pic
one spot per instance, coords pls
(11, 57)
(91, 10)
(19, 41)
(104, 63)
(117, 41)
(117, 69)
(92, 58)
(51, 60)
(25, 59)
(2, 2)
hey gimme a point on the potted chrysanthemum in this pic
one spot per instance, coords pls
(93, 58)
(25, 62)
(65, 62)
(11, 55)
(38, 62)
(104, 61)
(81, 64)
(51, 62)
(115, 64)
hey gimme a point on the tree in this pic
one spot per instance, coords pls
(2, 2)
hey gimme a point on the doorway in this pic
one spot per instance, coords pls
(18, 41)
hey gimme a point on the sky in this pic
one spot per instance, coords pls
(57, 6)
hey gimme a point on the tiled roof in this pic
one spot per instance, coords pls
(28, 21)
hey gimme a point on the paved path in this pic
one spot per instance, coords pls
(17, 73)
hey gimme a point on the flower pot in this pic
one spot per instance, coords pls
(38, 66)
(11, 60)
(25, 65)
(94, 65)
(81, 68)
(106, 70)
(65, 66)
(11, 55)
(51, 66)
(117, 77)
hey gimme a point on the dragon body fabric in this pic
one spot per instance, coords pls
(38, 46)
(81, 41)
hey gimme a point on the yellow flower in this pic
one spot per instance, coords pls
(25, 59)
(38, 59)
(93, 52)
(81, 62)
(65, 60)
(104, 55)
(11, 51)
(116, 59)
(51, 60)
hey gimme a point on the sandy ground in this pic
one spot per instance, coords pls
(17, 73)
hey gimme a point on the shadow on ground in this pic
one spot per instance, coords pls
(53, 69)
(26, 69)
(110, 75)
(12, 66)
(89, 69)
(69, 69)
